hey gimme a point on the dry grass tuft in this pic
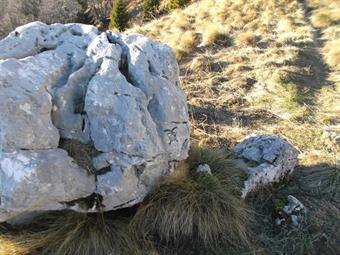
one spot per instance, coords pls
(8, 246)
(332, 54)
(322, 20)
(213, 34)
(80, 234)
(198, 207)
(247, 39)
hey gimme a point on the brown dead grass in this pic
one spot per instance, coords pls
(242, 57)
(11, 247)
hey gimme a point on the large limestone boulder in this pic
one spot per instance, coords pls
(268, 159)
(117, 94)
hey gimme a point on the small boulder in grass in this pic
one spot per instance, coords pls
(269, 159)
(293, 212)
(203, 168)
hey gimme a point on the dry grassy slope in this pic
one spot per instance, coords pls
(259, 66)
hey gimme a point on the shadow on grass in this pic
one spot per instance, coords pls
(212, 115)
(318, 188)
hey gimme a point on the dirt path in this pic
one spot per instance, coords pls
(317, 33)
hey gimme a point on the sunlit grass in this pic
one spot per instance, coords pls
(9, 246)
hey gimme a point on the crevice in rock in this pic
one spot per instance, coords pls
(83, 125)
(75, 33)
(94, 202)
(185, 145)
(179, 122)
(104, 170)
(63, 79)
(138, 48)
(44, 49)
(81, 153)
(123, 204)
(129, 155)
(118, 94)
(152, 69)
(124, 69)
(139, 169)
(123, 63)
(79, 104)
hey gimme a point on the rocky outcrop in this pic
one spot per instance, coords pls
(268, 159)
(118, 94)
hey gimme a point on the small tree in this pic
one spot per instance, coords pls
(174, 4)
(119, 16)
(150, 8)
(83, 15)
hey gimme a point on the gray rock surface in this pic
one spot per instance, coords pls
(268, 158)
(118, 94)
(203, 168)
(294, 212)
(40, 180)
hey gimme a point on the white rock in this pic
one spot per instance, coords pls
(203, 168)
(294, 206)
(294, 210)
(273, 157)
(119, 93)
(296, 220)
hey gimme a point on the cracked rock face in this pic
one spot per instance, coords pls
(118, 94)
(269, 160)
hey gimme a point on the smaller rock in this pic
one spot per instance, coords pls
(294, 212)
(268, 159)
(279, 221)
(203, 168)
(296, 220)
(294, 205)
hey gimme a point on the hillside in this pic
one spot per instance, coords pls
(259, 66)
(264, 67)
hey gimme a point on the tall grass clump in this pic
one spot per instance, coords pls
(81, 234)
(196, 207)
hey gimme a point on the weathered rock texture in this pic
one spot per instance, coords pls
(119, 94)
(293, 213)
(269, 160)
